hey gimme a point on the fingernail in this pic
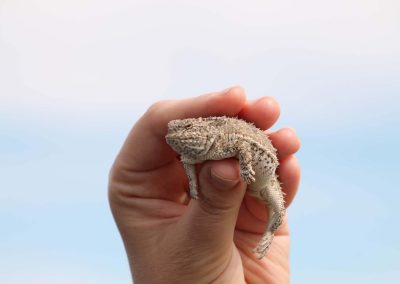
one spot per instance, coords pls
(224, 176)
(227, 90)
(217, 93)
(224, 91)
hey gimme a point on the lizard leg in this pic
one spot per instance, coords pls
(276, 212)
(191, 174)
(266, 240)
(245, 161)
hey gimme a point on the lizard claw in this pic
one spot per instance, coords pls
(248, 177)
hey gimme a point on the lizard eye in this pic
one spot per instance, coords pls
(188, 125)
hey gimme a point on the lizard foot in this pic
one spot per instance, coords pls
(263, 245)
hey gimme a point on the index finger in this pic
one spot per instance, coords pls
(145, 147)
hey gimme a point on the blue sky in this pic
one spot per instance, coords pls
(76, 75)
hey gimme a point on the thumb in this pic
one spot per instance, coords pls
(210, 220)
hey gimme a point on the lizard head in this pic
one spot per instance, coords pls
(188, 136)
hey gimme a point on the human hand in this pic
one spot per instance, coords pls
(170, 238)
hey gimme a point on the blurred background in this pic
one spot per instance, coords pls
(76, 75)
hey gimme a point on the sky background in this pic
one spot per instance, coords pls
(76, 75)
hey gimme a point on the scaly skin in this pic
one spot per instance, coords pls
(216, 138)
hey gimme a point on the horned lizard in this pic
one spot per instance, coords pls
(217, 138)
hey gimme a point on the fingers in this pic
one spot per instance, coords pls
(286, 141)
(145, 147)
(263, 112)
(289, 176)
(227, 102)
(210, 221)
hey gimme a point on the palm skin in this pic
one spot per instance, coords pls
(172, 239)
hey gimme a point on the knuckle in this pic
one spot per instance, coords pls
(117, 178)
(112, 181)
